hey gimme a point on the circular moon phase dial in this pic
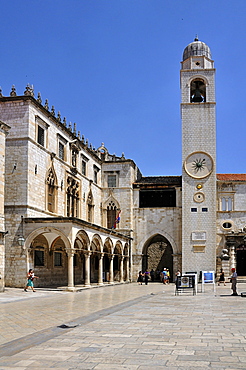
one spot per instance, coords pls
(199, 197)
(198, 165)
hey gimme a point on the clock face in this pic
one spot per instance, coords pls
(198, 165)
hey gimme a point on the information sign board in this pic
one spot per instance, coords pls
(208, 277)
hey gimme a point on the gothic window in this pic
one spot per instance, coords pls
(197, 91)
(51, 190)
(111, 215)
(72, 197)
(90, 207)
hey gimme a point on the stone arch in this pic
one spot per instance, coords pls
(96, 243)
(51, 233)
(198, 86)
(47, 254)
(107, 253)
(200, 77)
(166, 235)
(108, 246)
(103, 152)
(82, 240)
(157, 254)
(126, 250)
(118, 249)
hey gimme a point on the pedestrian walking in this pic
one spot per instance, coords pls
(146, 277)
(164, 273)
(30, 279)
(140, 278)
(234, 281)
(152, 275)
(168, 276)
(222, 278)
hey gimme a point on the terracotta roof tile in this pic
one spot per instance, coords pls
(231, 176)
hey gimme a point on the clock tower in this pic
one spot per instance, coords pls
(198, 158)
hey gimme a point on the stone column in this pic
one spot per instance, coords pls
(2, 256)
(87, 268)
(121, 269)
(233, 258)
(111, 269)
(127, 269)
(3, 133)
(100, 269)
(70, 285)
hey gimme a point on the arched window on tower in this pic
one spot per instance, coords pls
(111, 214)
(197, 91)
(51, 190)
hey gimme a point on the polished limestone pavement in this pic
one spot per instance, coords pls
(126, 326)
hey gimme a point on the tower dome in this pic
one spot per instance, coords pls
(197, 48)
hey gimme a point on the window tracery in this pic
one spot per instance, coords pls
(111, 214)
(72, 197)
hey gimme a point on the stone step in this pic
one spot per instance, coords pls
(241, 279)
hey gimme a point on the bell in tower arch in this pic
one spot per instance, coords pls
(198, 92)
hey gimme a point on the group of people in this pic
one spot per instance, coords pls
(143, 277)
(165, 278)
(146, 276)
(150, 275)
(233, 280)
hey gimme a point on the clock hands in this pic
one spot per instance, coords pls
(198, 165)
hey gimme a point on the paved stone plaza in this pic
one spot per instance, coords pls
(123, 327)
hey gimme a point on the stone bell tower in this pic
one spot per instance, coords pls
(198, 158)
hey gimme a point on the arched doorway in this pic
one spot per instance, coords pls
(157, 255)
(241, 260)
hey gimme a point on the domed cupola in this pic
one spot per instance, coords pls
(197, 48)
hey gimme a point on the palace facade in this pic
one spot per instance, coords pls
(80, 215)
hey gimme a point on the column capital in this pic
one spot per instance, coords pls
(87, 253)
(70, 252)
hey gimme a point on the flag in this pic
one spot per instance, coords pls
(117, 220)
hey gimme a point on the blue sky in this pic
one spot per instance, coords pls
(112, 66)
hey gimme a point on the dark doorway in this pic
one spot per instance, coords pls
(157, 255)
(241, 260)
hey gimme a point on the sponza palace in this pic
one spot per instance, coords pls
(79, 215)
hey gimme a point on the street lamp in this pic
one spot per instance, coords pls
(21, 239)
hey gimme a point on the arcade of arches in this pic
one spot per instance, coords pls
(91, 259)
